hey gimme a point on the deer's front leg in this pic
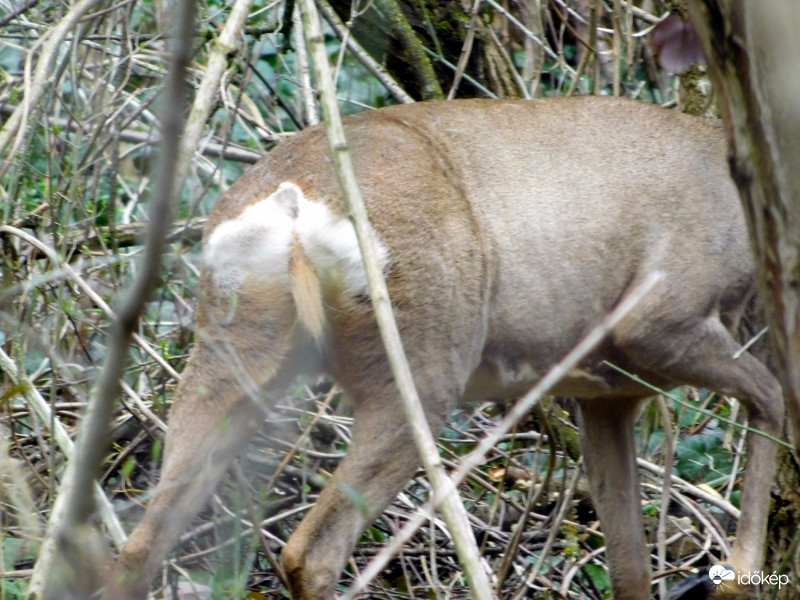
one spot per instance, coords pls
(609, 450)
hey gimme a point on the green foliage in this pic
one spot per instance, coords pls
(14, 551)
(599, 578)
(703, 457)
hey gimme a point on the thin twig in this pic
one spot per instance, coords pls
(691, 489)
(371, 64)
(17, 12)
(70, 560)
(529, 34)
(16, 126)
(565, 504)
(669, 459)
(87, 289)
(42, 409)
(466, 50)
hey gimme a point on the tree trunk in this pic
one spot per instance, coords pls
(752, 49)
(394, 33)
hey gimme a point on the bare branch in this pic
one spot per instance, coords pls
(376, 69)
(42, 76)
(42, 409)
(224, 45)
(72, 557)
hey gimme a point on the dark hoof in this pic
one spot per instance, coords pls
(698, 587)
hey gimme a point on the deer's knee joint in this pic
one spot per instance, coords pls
(767, 412)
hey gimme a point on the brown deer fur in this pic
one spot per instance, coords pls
(508, 229)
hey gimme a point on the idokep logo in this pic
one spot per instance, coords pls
(719, 574)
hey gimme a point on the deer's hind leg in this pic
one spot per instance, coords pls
(382, 456)
(699, 352)
(381, 459)
(241, 351)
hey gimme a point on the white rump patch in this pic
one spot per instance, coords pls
(257, 243)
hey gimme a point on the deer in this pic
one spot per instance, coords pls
(506, 230)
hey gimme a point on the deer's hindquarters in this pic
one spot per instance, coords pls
(261, 321)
